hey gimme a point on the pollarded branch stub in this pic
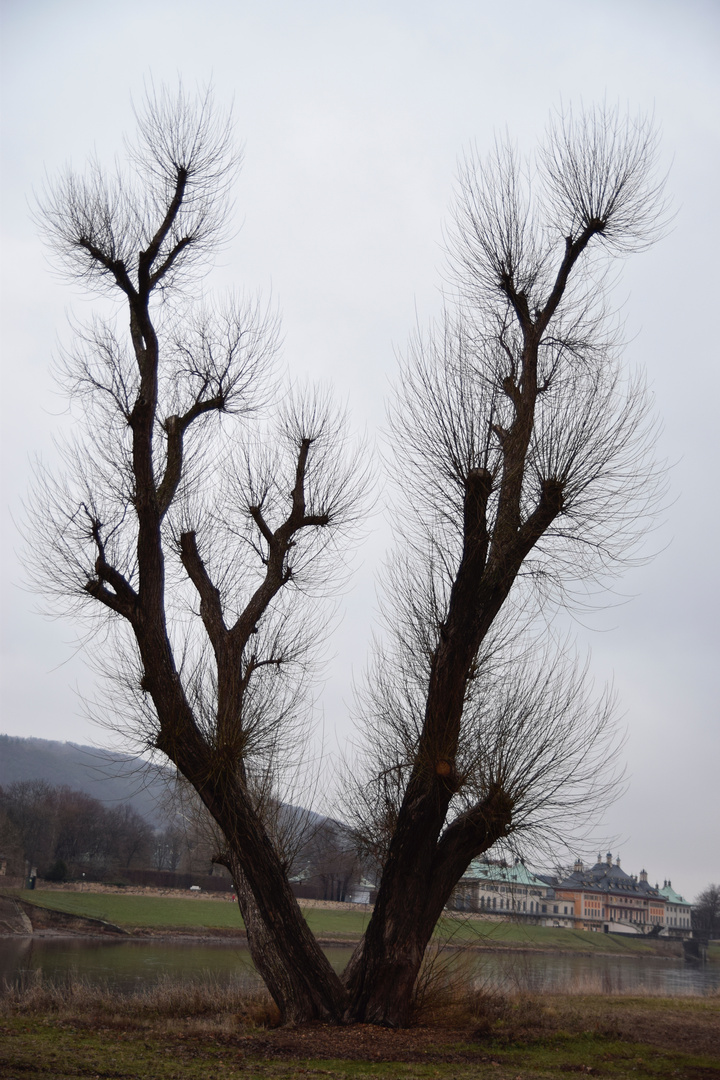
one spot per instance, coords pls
(510, 388)
(480, 481)
(553, 493)
(478, 487)
(501, 433)
(499, 806)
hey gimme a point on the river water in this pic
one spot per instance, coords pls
(131, 965)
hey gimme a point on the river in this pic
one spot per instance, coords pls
(131, 965)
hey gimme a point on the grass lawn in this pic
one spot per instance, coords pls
(140, 911)
(523, 935)
(198, 913)
(128, 910)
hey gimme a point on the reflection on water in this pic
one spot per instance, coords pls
(123, 965)
(560, 972)
(130, 965)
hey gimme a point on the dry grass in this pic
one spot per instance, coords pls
(447, 995)
(446, 1000)
(195, 1005)
(449, 986)
(449, 999)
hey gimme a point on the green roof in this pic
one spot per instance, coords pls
(672, 897)
(507, 875)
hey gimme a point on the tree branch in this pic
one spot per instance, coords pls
(472, 833)
(298, 492)
(279, 544)
(175, 427)
(261, 523)
(549, 506)
(517, 299)
(111, 600)
(573, 251)
(210, 604)
(115, 266)
(172, 256)
(147, 257)
(123, 599)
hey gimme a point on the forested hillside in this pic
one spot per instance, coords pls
(114, 779)
(77, 811)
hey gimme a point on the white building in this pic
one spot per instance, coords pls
(678, 912)
(510, 891)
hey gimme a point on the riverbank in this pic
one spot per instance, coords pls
(163, 913)
(178, 1033)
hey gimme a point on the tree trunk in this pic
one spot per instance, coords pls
(383, 970)
(298, 974)
(299, 1000)
(419, 876)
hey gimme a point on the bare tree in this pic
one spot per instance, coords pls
(523, 462)
(168, 848)
(204, 515)
(706, 912)
(203, 527)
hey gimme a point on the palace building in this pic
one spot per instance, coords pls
(605, 898)
(602, 898)
(499, 890)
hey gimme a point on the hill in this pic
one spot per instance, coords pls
(110, 777)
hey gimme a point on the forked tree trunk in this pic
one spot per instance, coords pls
(601, 196)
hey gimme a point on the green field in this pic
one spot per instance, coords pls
(522, 935)
(198, 913)
(153, 912)
(158, 912)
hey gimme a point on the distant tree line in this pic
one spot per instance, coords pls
(64, 833)
(327, 862)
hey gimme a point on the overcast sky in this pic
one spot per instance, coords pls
(353, 116)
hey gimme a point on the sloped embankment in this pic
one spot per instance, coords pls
(20, 917)
(13, 919)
